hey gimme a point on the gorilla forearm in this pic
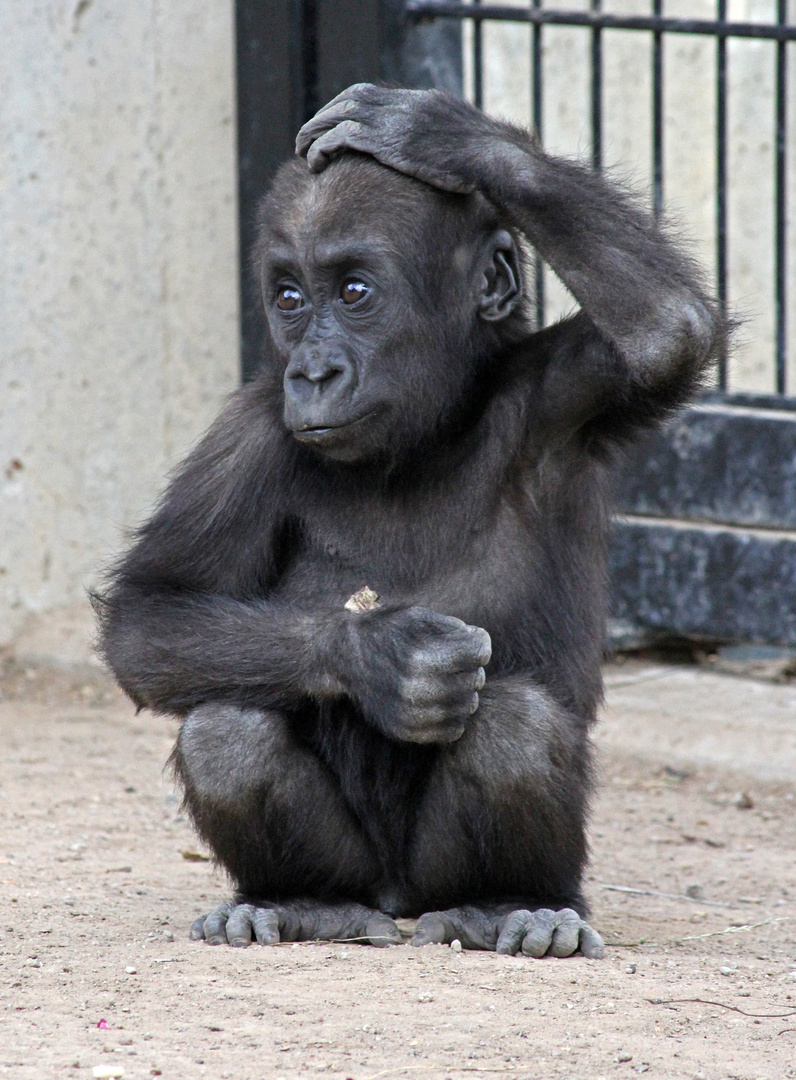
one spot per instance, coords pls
(638, 289)
(172, 653)
(415, 674)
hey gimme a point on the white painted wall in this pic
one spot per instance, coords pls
(118, 282)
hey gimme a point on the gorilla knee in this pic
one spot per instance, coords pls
(222, 752)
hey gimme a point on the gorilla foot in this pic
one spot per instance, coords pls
(296, 920)
(543, 932)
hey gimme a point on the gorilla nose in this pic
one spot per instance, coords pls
(311, 374)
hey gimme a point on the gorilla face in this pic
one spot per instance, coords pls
(354, 266)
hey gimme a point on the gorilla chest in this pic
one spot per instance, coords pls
(462, 564)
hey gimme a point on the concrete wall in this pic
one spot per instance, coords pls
(689, 143)
(118, 283)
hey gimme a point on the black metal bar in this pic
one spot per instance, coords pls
(310, 102)
(347, 42)
(657, 115)
(721, 180)
(269, 69)
(422, 9)
(596, 92)
(478, 60)
(781, 208)
(538, 112)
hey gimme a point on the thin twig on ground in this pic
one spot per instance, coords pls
(449, 1069)
(644, 944)
(667, 895)
(720, 1005)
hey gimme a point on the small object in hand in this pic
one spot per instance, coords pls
(363, 600)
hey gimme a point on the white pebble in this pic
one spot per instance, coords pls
(456, 945)
(107, 1072)
(131, 970)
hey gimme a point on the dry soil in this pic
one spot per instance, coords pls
(692, 881)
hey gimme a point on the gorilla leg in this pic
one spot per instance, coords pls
(502, 829)
(276, 821)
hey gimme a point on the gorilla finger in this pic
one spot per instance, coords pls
(566, 934)
(483, 644)
(348, 135)
(215, 926)
(357, 92)
(326, 119)
(591, 944)
(513, 932)
(462, 653)
(474, 703)
(539, 932)
(382, 931)
(266, 926)
(197, 931)
(444, 692)
(433, 929)
(467, 650)
(239, 926)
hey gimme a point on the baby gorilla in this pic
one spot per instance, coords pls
(427, 756)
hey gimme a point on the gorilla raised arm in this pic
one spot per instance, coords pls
(409, 432)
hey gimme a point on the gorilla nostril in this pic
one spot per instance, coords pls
(315, 371)
(325, 374)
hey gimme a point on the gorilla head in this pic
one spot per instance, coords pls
(380, 322)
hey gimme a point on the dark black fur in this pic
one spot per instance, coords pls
(475, 488)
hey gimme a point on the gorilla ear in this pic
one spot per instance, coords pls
(501, 285)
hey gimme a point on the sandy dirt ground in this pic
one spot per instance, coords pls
(100, 877)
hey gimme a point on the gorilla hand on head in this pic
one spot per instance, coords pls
(420, 672)
(426, 134)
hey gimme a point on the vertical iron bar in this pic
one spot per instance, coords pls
(478, 61)
(781, 209)
(537, 110)
(657, 115)
(309, 59)
(596, 93)
(721, 177)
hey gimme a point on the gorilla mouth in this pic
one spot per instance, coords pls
(324, 432)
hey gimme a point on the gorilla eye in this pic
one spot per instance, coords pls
(289, 299)
(353, 291)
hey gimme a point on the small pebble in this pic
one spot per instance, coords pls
(631, 970)
(130, 970)
(107, 1072)
(456, 945)
(168, 936)
(725, 971)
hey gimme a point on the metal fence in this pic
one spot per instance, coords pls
(659, 26)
